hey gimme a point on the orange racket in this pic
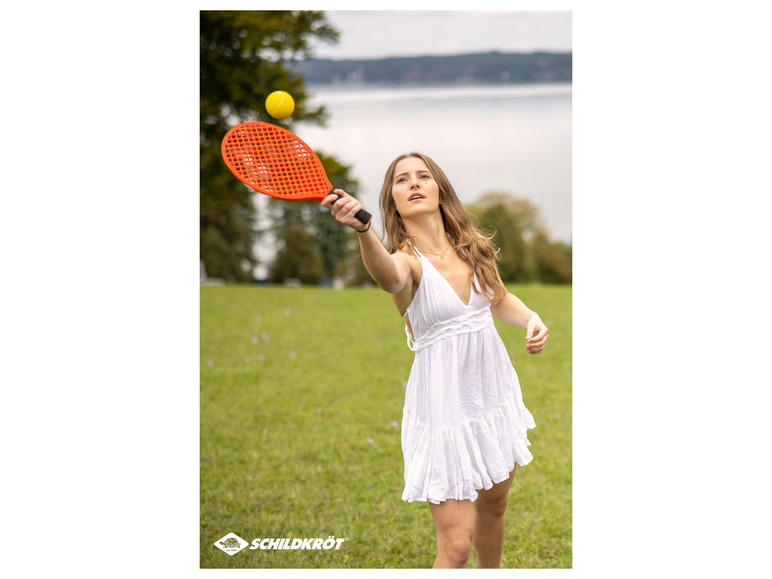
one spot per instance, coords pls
(275, 162)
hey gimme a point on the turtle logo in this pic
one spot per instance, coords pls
(231, 543)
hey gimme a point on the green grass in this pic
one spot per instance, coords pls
(293, 384)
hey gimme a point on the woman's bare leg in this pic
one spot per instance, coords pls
(490, 508)
(454, 523)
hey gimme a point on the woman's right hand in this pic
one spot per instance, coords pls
(344, 208)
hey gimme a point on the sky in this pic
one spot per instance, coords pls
(384, 33)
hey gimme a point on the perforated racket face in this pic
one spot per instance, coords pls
(273, 161)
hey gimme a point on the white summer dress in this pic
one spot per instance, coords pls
(464, 424)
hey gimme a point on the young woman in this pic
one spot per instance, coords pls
(464, 422)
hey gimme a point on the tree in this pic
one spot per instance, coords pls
(244, 55)
(333, 241)
(513, 221)
(552, 259)
(299, 257)
(526, 253)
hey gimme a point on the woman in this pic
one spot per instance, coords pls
(464, 422)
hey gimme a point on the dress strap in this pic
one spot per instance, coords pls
(410, 342)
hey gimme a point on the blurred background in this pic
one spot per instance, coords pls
(486, 94)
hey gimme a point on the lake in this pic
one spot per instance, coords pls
(513, 138)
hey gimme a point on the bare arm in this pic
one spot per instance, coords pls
(513, 311)
(391, 272)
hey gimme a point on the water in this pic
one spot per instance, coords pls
(514, 139)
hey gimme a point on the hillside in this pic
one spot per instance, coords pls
(484, 68)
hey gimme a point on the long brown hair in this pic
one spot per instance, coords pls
(477, 250)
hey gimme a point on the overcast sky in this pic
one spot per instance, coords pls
(380, 33)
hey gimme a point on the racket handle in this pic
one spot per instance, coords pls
(362, 215)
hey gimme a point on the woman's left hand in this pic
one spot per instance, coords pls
(536, 334)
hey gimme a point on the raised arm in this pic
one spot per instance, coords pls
(390, 272)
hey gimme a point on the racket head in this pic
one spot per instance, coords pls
(274, 161)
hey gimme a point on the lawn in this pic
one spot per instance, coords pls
(301, 400)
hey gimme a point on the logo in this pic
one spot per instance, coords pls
(231, 543)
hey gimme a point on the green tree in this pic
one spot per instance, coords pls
(526, 253)
(334, 241)
(513, 221)
(244, 56)
(552, 259)
(299, 257)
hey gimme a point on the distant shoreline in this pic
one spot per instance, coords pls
(438, 86)
(488, 68)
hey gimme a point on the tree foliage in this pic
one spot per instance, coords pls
(333, 242)
(244, 56)
(299, 257)
(525, 251)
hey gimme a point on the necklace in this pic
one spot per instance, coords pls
(440, 255)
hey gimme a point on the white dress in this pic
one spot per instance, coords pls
(464, 424)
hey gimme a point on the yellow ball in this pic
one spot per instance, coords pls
(280, 104)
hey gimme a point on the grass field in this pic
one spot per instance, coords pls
(301, 400)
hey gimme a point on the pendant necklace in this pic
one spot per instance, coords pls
(440, 255)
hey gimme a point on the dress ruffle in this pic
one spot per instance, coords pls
(456, 462)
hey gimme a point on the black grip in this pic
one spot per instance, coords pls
(362, 215)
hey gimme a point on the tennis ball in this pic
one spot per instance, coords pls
(280, 104)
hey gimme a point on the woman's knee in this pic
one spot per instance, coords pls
(492, 506)
(493, 502)
(454, 522)
(459, 548)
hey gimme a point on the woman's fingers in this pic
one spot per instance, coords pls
(538, 339)
(330, 200)
(343, 208)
